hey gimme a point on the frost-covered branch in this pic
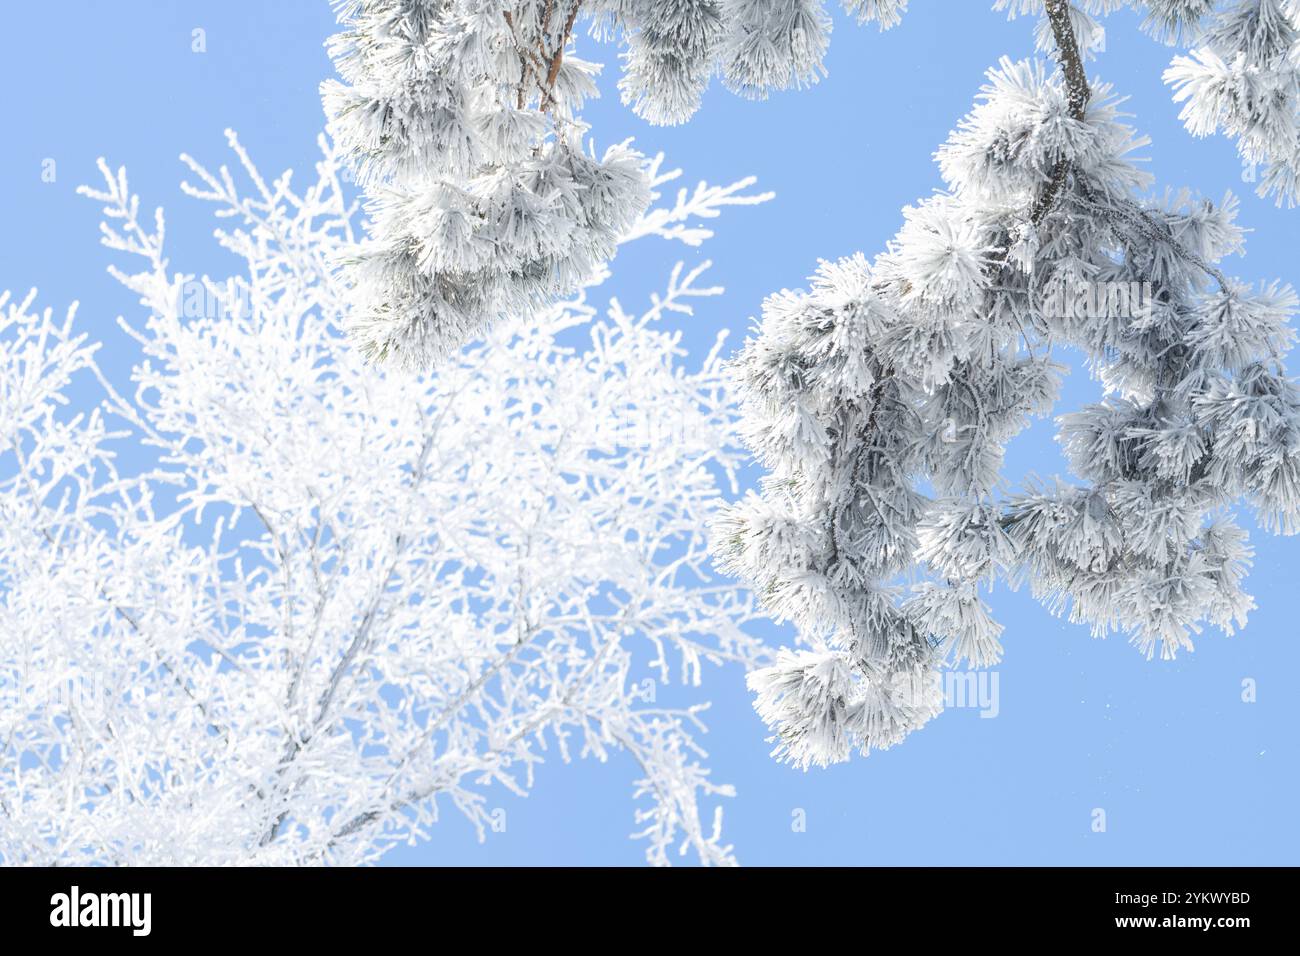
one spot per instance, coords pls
(464, 123)
(880, 402)
(320, 603)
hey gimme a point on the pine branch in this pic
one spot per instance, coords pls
(1078, 93)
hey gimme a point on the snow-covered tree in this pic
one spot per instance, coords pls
(881, 399)
(332, 602)
(463, 121)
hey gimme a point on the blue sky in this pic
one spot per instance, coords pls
(1184, 769)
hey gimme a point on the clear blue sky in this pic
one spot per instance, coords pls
(1186, 772)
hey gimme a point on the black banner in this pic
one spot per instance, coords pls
(217, 906)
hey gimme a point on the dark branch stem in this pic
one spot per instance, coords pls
(1078, 93)
(1071, 60)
